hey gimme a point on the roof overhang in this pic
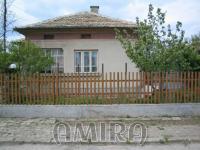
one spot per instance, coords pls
(67, 28)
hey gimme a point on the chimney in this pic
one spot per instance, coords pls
(94, 9)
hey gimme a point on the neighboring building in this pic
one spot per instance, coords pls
(83, 42)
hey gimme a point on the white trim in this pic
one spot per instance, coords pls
(55, 57)
(82, 60)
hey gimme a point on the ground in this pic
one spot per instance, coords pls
(175, 146)
(162, 133)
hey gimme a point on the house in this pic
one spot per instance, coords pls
(83, 42)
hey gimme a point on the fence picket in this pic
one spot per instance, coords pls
(129, 86)
(151, 87)
(188, 87)
(98, 86)
(195, 87)
(110, 91)
(185, 85)
(95, 86)
(192, 88)
(154, 86)
(198, 89)
(148, 84)
(19, 88)
(121, 85)
(166, 87)
(75, 84)
(12, 88)
(106, 86)
(49, 90)
(118, 88)
(91, 88)
(125, 85)
(135, 87)
(44, 89)
(102, 85)
(132, 94)
(176, 87)
(181, 86)
(114, 85)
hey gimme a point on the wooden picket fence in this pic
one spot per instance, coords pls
(107, 88)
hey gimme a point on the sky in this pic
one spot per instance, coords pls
(31, 11)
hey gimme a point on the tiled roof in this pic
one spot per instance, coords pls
(80, 20)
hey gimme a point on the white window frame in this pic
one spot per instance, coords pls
(55, 57)
(82, 60)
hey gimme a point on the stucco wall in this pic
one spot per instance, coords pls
(110, 53)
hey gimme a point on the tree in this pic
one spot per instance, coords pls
(4, 25)
(5, 60)
(157, 47)
(28, 57)
(195, 40)
(6, 21)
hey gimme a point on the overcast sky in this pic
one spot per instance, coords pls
(31, 11)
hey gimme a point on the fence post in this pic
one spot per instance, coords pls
(67, 81)
(79, 85)
(126, 67)
(102, 86)
(102, 68)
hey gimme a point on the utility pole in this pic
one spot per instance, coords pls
(4, 25)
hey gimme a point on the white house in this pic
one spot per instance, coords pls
(82, 42)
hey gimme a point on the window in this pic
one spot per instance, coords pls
(57, 54)
(86, 61)
(85, 36)
(48, 36)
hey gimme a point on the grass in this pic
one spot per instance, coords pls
(82, 100)
(165, 139)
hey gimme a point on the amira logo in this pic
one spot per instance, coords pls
(101, 132)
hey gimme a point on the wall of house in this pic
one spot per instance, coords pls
(69, 35)
(110, 53)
